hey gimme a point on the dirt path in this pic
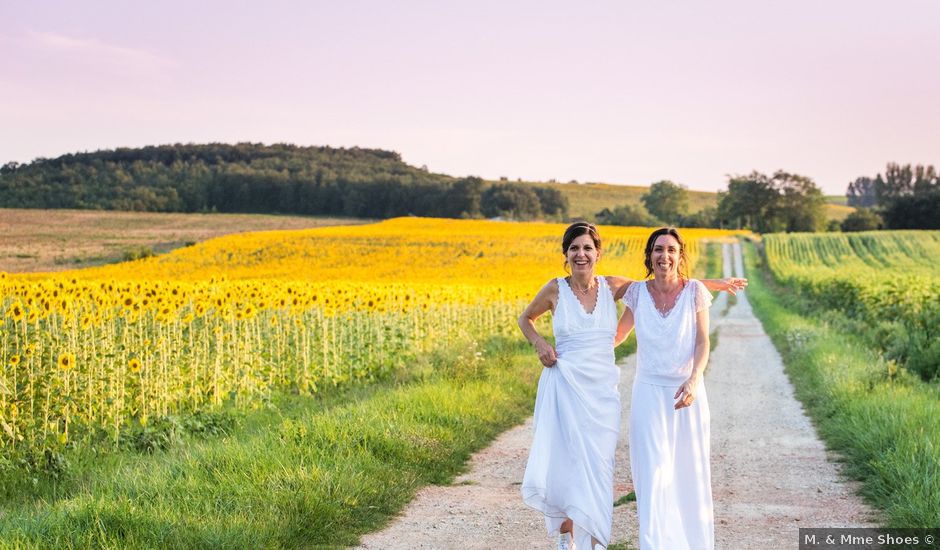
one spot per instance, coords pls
(770, 472)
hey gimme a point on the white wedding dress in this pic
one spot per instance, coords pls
(577, 420)
(669, 449)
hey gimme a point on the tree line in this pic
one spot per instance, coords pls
(904, 197)
(373, 183)
(760, 202)
(901, 198)
(257, 178)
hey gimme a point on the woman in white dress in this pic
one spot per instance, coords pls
(569, 474)
(669, 417)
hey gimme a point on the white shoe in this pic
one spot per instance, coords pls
(565, 541)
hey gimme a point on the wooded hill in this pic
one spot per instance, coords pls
(288, 179)
(246, 177)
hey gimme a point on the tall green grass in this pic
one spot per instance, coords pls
(301, 472)
(883, 420)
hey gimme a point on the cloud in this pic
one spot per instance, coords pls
(96, 52)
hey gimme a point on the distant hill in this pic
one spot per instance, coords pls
(245, 177)
(289, 179)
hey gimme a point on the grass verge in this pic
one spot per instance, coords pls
(884, 421)
(303, 472)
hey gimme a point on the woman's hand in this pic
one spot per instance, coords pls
(546, 353)
(685, 394)
(733, 284)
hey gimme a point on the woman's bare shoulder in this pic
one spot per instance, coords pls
(549, 291)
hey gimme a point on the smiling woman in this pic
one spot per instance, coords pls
(569, 475)
(669, 414)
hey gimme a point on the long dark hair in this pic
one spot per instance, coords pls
(574, 231)
(683, 267)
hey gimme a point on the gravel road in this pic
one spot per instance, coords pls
(771, 474)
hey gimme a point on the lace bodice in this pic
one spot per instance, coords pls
(666, 342)
(570, 317)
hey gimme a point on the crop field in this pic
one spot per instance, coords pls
(88, 353)
(33, 240)
(888, 280)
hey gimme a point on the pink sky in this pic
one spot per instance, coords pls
(618, 92)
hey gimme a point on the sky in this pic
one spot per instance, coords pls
(598, 91)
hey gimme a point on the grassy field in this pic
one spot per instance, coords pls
(882, 419)
(587, 199)
(58, 240)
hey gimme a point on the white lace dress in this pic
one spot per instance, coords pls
(577, 420)
(669, 449)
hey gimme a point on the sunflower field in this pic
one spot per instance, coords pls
(87, 353)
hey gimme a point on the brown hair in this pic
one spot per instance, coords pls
(574, 231)
(683, 259)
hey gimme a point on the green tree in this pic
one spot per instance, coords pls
(863, 219)
(800, 204)
(906, 197)
(861, 193)
(920, 211)
(667, 201)
(897, 181)
(552, 201)
(706, 217)
(627, 215)
(782, 202)
(748, 202)
(463, 198)
(510, 200)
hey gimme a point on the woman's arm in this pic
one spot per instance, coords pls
(686, 393)
(624, 326)
(542, 303)
(729, 285)
(619, 285)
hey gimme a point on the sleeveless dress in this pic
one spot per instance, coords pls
(669, 449)
(570, 470)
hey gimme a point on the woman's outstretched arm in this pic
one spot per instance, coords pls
(619, 285)
(730, 285)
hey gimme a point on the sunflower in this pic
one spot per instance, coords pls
(16, 312)
(134, 365)
(66, 361)
(14, 360)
